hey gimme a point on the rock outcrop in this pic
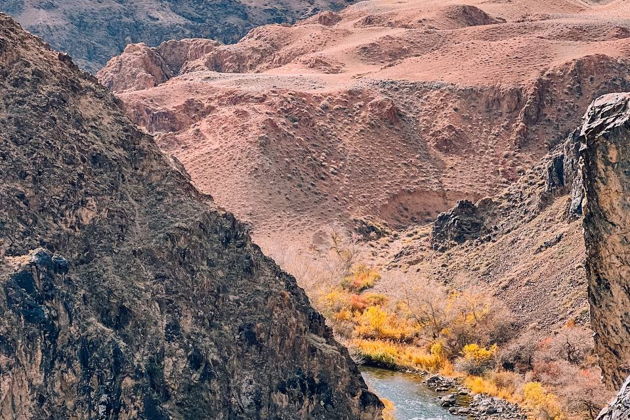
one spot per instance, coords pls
(93, 31)
(154, 65)
(605, 154)
(458, 225)
(619, 408)
(125, 293)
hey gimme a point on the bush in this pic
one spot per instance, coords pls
(375, 299)
(388, 354)
(377, 323)
(480, 318)
(480, 385)
(377, 353)
(361, 278)
(585, 393)
(573, 344)
(508, 382)
(518, 355)
(476, 360)
(457, 318)
(333, 301)
(544, 405)
(371, 323)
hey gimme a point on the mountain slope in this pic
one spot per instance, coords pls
(94, 31)
(523, 246)
(391, 111)
(125, 292)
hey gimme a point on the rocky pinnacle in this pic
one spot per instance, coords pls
(605, 154)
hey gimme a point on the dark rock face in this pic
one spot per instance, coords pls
(564, 175)
(573, 174)
(464, 222)
(605, 138)
(93, 31)
(619, 408)
(555, 173)
(125, 293)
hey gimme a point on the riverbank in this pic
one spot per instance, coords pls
(436, 396)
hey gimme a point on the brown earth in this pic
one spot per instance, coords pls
(387, 110)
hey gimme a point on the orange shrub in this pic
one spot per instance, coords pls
(357, 302)
(361, 278)
(543, 404)
(476, 360)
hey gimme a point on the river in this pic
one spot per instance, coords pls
(412, 399)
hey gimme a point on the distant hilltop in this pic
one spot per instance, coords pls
(93, 31)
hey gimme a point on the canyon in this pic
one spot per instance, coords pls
(288, 126)
(383, 153)
(380, 118)
(372, 117)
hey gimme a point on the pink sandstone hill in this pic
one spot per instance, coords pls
(390, 111)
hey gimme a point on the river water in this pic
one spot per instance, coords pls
(412, 399)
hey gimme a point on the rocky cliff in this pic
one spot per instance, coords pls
(605, 152)
(619, 408)
(125, 292)
(93, 31)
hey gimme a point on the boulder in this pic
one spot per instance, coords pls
(463, 223)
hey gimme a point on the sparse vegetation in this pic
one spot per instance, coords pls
(477, 360)
(461, 333)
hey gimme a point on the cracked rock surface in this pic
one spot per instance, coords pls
(605, 154)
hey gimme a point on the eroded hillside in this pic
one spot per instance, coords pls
(392, 111)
